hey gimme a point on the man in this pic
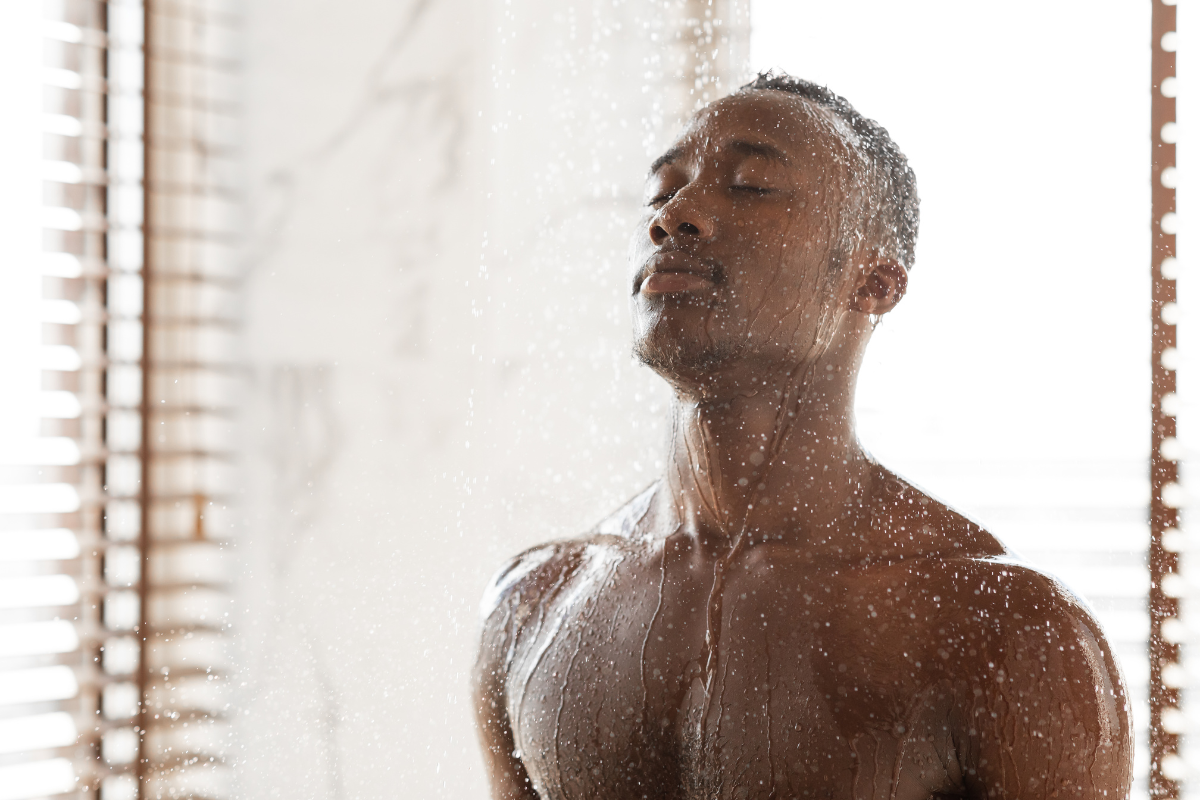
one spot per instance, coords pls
(779, 616)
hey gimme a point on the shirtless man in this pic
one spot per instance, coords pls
(779, 616)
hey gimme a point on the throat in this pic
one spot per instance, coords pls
(762, 464)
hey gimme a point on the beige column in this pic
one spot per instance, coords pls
(708, 47)
(191, 223)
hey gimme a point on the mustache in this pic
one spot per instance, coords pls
(677, 260)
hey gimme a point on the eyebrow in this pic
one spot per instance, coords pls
(767, 151)
(666, 158)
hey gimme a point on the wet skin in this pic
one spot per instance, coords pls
(779, 616)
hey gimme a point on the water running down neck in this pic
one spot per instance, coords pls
(777, 460)
(779, 457)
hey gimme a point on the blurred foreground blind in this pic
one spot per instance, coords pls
(190, 386)
(112, 595)
(52, 599)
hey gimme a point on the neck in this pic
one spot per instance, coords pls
(781, 458)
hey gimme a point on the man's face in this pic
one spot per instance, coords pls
(731, 257)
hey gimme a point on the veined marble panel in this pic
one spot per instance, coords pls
(441, 193)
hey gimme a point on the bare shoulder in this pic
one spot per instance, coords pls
(965, 561)
(527, 571)
(1041, 681)
(981, 605)
(533, 574)
(1022, 610)
(518, 600)
(919, 524)
(1037, 692)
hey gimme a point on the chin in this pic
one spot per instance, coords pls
(684, 360)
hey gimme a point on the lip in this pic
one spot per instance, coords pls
(675, 272)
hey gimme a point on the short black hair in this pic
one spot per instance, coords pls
(896, 200)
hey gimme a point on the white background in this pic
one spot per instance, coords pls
(1025, 330)
(400, 445)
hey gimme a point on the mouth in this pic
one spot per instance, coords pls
(676, 272)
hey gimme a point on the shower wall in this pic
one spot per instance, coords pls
(439, 197)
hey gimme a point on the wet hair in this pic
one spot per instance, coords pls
(895, 197)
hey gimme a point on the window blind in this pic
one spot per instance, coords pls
(113, 603)
(190, 386)
(52, 633)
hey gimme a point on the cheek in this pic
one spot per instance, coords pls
(783, 286)
(777, 267)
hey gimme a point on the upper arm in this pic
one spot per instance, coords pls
(500, 612)
(1050, 715)
(506, 774)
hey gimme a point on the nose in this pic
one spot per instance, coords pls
(685, 216)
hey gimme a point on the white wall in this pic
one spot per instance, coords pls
(440, 197)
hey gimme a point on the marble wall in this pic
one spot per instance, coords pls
(440, 195)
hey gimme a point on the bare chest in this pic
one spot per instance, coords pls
(636, 679)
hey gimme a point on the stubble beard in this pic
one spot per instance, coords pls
(685, 359)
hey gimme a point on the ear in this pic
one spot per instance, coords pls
(880, 287)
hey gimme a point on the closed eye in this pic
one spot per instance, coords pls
(662, 198)
(753, 189)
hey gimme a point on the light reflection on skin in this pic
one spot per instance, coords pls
(779, 615)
